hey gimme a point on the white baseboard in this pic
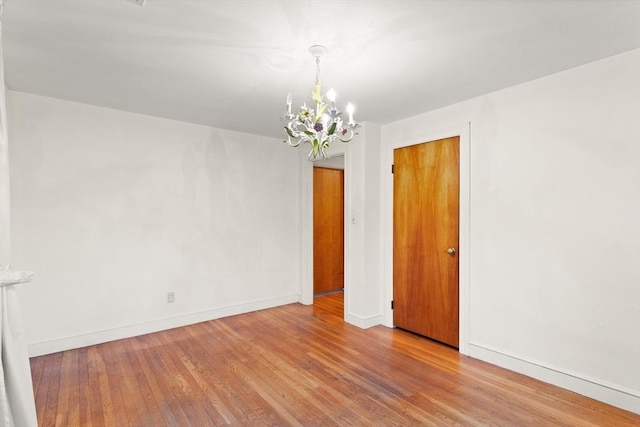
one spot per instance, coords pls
(608, 393)
(99, 337)
(364, 322)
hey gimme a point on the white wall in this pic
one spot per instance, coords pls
(555, 225)
(363, 290)
(112, 210)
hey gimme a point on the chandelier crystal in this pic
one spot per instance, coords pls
(321, 124)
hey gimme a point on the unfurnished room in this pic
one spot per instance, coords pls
(320, 213)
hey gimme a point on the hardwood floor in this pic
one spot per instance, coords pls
(295, 365)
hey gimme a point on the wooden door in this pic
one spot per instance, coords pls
(425, 239)
(328, 229)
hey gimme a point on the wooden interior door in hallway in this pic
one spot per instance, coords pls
(328, 229)
(426, 185)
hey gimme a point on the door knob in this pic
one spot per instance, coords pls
(451, 251)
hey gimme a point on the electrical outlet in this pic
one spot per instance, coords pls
(171, 297)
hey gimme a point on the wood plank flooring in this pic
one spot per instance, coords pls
(300, 366)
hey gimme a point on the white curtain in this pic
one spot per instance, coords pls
(17, 406)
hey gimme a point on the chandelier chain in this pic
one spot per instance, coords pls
(317, 69)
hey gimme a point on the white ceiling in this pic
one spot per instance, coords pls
(230, 64)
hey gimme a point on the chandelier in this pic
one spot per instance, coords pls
(322, 124)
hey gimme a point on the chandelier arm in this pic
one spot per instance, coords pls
(349, 136)
(291, 144)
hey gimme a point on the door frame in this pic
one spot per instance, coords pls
(306, 223)
(426, 135)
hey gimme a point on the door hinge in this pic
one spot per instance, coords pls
(391, 305)
(391, 168)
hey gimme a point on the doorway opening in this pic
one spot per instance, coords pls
(328, 226)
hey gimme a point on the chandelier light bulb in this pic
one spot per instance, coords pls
(350, 110)
(331, 96)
